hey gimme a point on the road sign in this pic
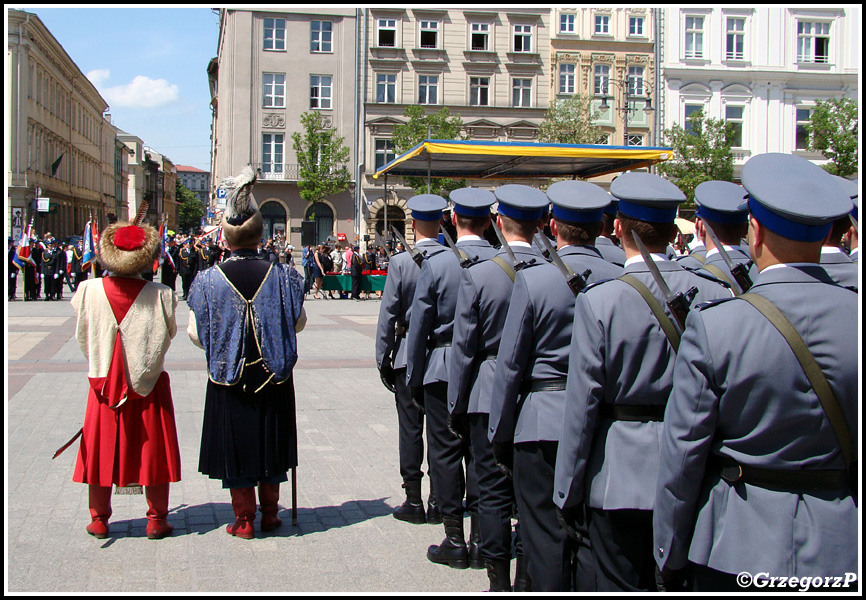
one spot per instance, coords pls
(43, 204)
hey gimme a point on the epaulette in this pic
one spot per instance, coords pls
(711, 303)
(708, 276)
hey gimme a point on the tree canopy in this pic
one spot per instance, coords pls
(569, 121)
(322, 159)
(190, 209)
(833, 132)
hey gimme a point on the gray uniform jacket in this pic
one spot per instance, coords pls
(535, 345)
(840, 268)
(396, 301)
(619, 355)
(610, 251)
(432, 318)
(855, 255)
(736, 255)
(482, 304)
(690, 260)
(741, 393)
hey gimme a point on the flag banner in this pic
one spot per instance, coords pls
(89, 248)
(163, 236)
(22, 256)
(56, 164)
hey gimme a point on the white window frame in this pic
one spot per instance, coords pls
(476, 86)
(386, 88)
(635, 81)
(601, 24)
(798, 122)
(385, 24)
(601, 79)
(741, 121)
(634, 137)
(636, 26)
(567, 23)
(567, 78)
(273, 146)
(483, 30)
(384, 148)
(523, 34)
(425, 87)
(702, 106)
(696, 34)
(521, 91)
(318, 85)
(317, 37)
(427, 26)
(732, 35)
(274, 39)
(807, 40)
(273, 90)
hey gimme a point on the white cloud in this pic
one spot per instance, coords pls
(141, 92)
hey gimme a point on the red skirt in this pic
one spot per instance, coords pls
(135, 443)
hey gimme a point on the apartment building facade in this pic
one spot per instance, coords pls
(762, 69)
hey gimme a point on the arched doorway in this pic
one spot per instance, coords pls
(274, 219)
(318, 224)
(396, 218)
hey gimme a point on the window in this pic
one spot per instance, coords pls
(274, 90)
(320, 91)
(429, 34)
(635, 26)
(272, 154)
(428, 89)
(275, 34)
(694, 37)
(813, 42)
(804, 115)
(566, 23)
(321, 36)
(734, 116)
(384, 153)
(386, 85)
(523, 38)
(479, 90)
(690, 110)
(734, 43)
(602, 24)
(634, 139)
(480, 36)
(635, 81)
(521, 93)
(566, 78)
(601, 78)
(387, 33)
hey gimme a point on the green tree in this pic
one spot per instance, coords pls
(703, 153)
(190, 209)
(833, 132)
(569, 121)
(322, 159)
(421, 126)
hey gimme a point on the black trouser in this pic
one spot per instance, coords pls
(168, 279)
(79, 277)
(622, 544)
(13, 282)
(356, 286)
(410, 423)
(495, 493)
(308, 279)
(31, 285)
(546, 545)
(447, 454)
(187, 278)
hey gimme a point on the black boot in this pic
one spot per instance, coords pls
(521, 577)
(499, 573)
(452, 551)
(412, 510)
(434, 516)
(475, 560)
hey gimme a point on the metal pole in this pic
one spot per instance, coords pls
(428, 160)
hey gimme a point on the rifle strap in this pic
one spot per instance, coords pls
(660, 314)
(721, 275)
(816, 377)
(509, 270)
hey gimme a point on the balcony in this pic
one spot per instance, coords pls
(290, 173)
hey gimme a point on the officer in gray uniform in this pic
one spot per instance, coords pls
(719, 205)
(834, 260)
(752, 476)
(397, 296)
(620, 374)
(428, 346)
(482, 304)
(697, 255)
(604, 243)
(529, 382)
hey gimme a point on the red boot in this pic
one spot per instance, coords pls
(157, 511)
(100, 510)
(269, 497)
(244, 505)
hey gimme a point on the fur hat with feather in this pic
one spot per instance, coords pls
(242, 222)
(128, 249)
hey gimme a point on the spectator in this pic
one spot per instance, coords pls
(307, 264)
(347, 259)
(289, 258)
(318, 272)
(357, 268)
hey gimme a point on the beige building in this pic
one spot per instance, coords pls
(489, 67)
(59, 143)
(273, 65)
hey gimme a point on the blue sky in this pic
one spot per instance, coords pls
(150, 66)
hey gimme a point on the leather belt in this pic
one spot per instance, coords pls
(623, 412)
(433, 344)
(542, 385)
(786, 479)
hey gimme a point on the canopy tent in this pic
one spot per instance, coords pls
(472, 159)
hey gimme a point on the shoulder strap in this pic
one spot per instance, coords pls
(816, 377)
(699, 258)
(660, 314)
(509, 270)
(721, 275)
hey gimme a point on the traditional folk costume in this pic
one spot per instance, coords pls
(246, 313)
(125, 326)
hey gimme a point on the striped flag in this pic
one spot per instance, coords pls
(163, 235)
(23, 255)
(89, 254)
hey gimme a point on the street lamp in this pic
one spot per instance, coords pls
(625, 86)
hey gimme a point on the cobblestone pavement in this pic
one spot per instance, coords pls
(346, 540)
